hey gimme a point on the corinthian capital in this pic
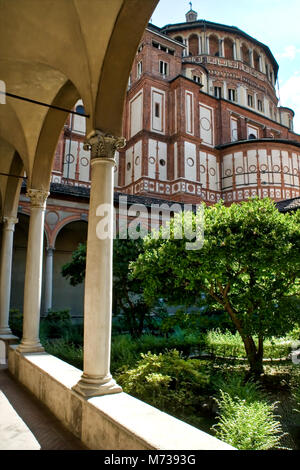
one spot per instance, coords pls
(103, 145)
(37, 197)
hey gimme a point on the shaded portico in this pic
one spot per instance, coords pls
(56, 52)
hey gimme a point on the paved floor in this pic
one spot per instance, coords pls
(25, 421)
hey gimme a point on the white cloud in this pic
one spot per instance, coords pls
(289, 52)
(290, 97)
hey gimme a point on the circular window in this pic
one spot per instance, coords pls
(252, 168)
(228, 172)
(152, 160)
(84, 161)
(264, 167)
(162, 162)
(70, 158)
(202, 169)
(115, 168)
(128, 166)
(137, 160)
(286, 169)
(190, 162)
(205, 124)
(212, 171)
(276, 168)
(239, 170)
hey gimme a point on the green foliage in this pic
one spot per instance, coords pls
(166, 381)
(226, 344)
(247, 425)
(66, 351)
(56, 324)
(295, 387)
(16, 322)
(74, 271)
(249, 265)
(134, 315)
(195, 319)
(237, 387)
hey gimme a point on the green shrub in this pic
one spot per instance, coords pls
(57, 324)
(67, 352)
(295, 387)
(16, 322)
(235, 386)
(124, 351)
(226, 344)
(166, 381)
(247, 425)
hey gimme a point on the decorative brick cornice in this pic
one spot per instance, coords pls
(103, 145)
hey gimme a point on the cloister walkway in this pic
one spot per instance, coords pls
(25, 424)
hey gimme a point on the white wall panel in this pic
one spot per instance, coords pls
(136, 114)
(206, 125)
(190, 163)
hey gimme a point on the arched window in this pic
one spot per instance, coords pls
(214, 46)
(256, 61)
(80, 109)
(245, 53)
(228, 48)
(179, 39)
(193, 44)
(252, 137)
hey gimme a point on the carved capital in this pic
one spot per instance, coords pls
(37, 197)
(103, 145)
(9, 223)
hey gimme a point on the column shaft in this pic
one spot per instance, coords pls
(48, 280)
(96, 379)
(5, 273)
(33, 274)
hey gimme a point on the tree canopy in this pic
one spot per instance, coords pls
(249, 264)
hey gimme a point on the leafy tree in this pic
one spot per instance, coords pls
(249, 264)
(127, 293)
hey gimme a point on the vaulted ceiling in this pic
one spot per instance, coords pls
(56, 52)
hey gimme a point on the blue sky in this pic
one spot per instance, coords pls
(276, 23)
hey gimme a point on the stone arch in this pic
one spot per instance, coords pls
(214, 48)
(13, 187)
(193, 45)
(62, 224)
(52, 126)
(68, 237)
(19, 259)
(229, 48)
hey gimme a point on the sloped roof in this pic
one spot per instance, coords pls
(288, 205)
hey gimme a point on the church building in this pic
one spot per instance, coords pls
(202, 122)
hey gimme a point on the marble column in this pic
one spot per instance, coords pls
(5, 273)
(96, 379)
(33, 274)
(48, 279)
